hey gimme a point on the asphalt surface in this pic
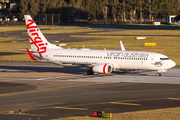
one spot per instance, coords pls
(55, 37)
(57, 95)
(64, 37)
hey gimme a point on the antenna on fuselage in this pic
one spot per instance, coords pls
(122, 46)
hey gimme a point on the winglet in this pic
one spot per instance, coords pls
(30, 55)
(122, 46)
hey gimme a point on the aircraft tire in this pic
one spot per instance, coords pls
(90, 72)
(158, 74)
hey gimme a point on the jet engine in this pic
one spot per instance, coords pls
(102, 68)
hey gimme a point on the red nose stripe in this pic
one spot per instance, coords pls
(104, 68)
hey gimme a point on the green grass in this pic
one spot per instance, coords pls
(158, 114)
(12, 28)
(23, 27)
(6, 43)
(68, 31)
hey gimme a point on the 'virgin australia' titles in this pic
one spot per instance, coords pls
(128, 55)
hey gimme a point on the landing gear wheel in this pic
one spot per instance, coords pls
(90, 72)
(158, 74)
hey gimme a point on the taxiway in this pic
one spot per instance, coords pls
(46, 91)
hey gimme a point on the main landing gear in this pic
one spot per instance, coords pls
(90, 72)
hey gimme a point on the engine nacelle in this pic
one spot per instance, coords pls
(102, 68)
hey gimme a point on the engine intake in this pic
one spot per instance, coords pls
(102, 68)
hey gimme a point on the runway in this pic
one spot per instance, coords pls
(46, 91)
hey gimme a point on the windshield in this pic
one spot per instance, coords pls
(164, 58)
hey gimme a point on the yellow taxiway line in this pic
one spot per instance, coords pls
(173, 98)
(74, 107)
(70, 108)
(124, 103)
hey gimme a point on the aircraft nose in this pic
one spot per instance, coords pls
(172, 64)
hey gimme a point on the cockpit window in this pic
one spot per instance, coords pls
(164, 58)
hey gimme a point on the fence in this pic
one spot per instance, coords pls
(57, 19)
(41, 19)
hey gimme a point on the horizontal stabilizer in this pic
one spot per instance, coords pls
(30, 55)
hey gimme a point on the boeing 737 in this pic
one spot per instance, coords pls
(97, 61)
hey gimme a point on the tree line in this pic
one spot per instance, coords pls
(99, 9)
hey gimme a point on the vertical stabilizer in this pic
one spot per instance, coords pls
(37, 40)
(122, 46)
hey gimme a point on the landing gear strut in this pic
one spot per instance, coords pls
(90, 72)
(158, 74)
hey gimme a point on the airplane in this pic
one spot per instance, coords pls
(97, 61)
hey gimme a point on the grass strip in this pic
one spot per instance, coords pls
(68, 31)
(23, 27)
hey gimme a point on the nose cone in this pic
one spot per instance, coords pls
(172, 64)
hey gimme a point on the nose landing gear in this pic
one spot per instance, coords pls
(158, 74)
(160, 71)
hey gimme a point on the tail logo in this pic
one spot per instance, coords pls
(36, 38)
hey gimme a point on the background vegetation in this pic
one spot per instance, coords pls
(99, 9)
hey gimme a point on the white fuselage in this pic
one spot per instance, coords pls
(119, 59)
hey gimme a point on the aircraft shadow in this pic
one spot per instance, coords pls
(72, 70)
